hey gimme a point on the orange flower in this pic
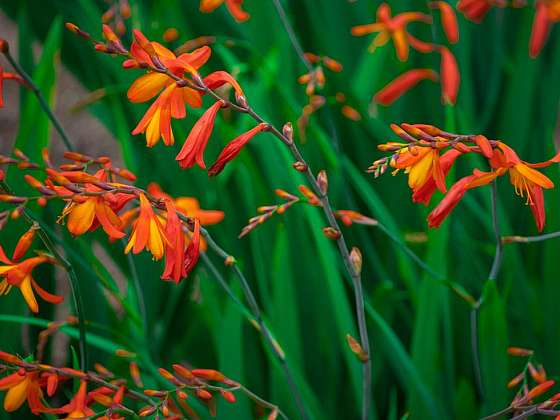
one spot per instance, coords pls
(22, 386)
(190, 207)
(147, 232)
(18, 274)
(528, 183)
(450, 76)
(421, 164)
(475, 10)
(402, 84)
(234, 7)
(233, 148)
(424, 193)
(77, 408)
(391, 27)
(156, 123)
(448, 20)
(193, 149)
(547, 13)
(94, 211)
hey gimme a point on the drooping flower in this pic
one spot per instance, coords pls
(450, 76)
(402, 84)
(390, 27)
(448, 20)
(15, 273)
(547, 13)
(175, 249)
(475, 10)
(23, 386)
(527, 181)
(233, 148)
(234, 7)
(193, 250)
(156, 122)
(193, 149)
(147, 232)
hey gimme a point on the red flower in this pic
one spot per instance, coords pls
(450, 76)
(193, 250)
(475, 10)
(175, 249)
(448, 20)
(22, 386)
(406, 81)
(547, 13)
(233, 148)
(193, 149)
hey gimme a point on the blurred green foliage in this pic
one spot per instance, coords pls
(419, 328)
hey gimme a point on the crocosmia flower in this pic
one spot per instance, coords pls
(20, 387)
(156, 123)
(390, 27)
(147, 231)
(16, 273)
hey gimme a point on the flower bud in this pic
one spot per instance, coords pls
(288, 132)
(4, 47)
(356, 259)
(357, 348)
(299, 166)
(323, 182)
(331, 232)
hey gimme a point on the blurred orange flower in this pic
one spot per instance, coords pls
(391, 28)
(234, 7)
(402, 84)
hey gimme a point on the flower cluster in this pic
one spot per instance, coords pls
(106, 396)
(176, 82)
(96, 198)
(395, 28)
(428, 154)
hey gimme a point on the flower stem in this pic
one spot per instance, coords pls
(41, 99)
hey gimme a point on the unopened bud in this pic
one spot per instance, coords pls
(357, 348)
(331, 232)
(356, 260)
(229, 261)
(288, 132)
(323, 182)
(299, 166)
(73, 28)
(203, 394)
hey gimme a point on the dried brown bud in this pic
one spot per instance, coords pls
(299, 166)
(356, 259)
(323, 182)
(331, 232)
(4, 47)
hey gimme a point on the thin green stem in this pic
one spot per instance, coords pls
(41, 99)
